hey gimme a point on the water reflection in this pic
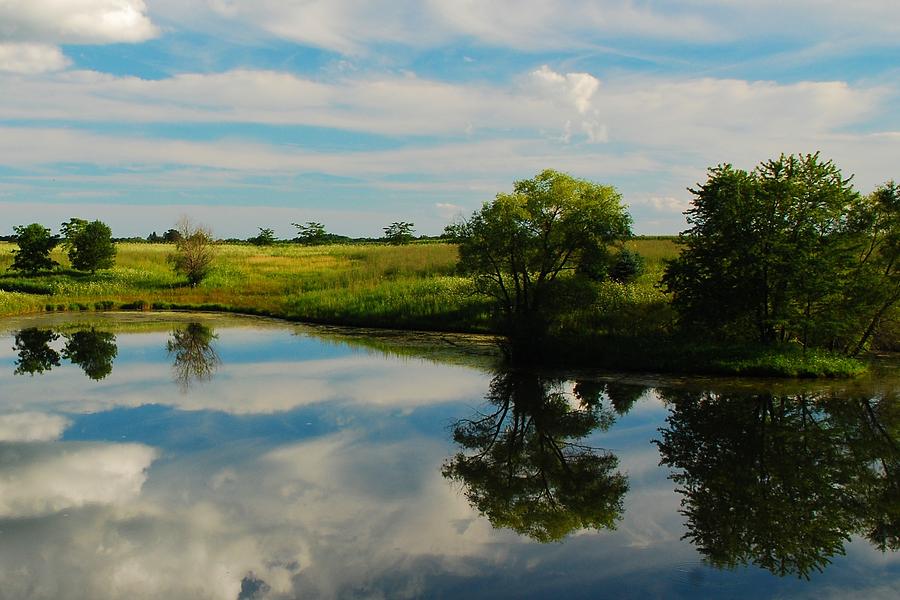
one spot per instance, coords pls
(34, 352)
(195, 358)
(525, 465)
(191, 348)
(92, 350)
(783, 481)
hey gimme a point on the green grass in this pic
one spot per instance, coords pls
(627, 326)
(386, 286)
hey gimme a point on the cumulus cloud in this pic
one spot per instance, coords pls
(75, 21)
(578, 88)
(31, 58)
(31, 427)
(41, 478)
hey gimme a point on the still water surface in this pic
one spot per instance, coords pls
(204, 457)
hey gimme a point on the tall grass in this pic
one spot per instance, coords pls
(396, 286)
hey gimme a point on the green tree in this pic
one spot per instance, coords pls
(71, 228)
(875, 281)
(171, 235)
(266, 237)
(525, 467)
(311, 233)
(194, 251)
(399, 233)
(518, 247)
(35, 243)
(627, 266)
(768, 253)
(93, 351)
(90, 245)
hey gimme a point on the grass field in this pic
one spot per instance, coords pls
(376, 285)
(412, 286)
(373, 285)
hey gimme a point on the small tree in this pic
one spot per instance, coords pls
(627, 266)
(35, 243)
(90, 245)
(194, 251)
(266, 237)
(399, 233)
(171, 236)
(311, 233)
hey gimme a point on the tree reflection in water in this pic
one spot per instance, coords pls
(35, 353)
(782, 482)
(195, 359)
(93, 351)
(525, 468)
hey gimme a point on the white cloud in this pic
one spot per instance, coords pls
(31, 427)
(75, 21)
(447, 210)
(41, 478)
(579, 88)
(352, 27)
(31, 58)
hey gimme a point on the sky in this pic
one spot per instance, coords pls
(244, 114)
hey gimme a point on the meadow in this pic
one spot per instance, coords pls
(412, 287)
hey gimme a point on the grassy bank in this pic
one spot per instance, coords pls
(626, 326)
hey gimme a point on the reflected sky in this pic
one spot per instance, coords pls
(302, 468)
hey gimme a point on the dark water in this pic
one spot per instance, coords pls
(227, 458)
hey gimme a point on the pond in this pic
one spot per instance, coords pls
(193, 456)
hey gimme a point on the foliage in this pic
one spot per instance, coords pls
(517, 246)
(194, 252)
(266, 237)
(399, 233)
(311, 233)
(770, 254)
(35, 243)
(525, 467)
(172, 236)
(627, 266)
(90, 245)
(70, 229)
(875, 279)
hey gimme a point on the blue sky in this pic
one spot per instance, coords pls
(259, 113)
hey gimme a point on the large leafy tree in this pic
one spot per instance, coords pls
(875, 280)
(35, 244)
(519, 246)
(90, 244)
(769, 252)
